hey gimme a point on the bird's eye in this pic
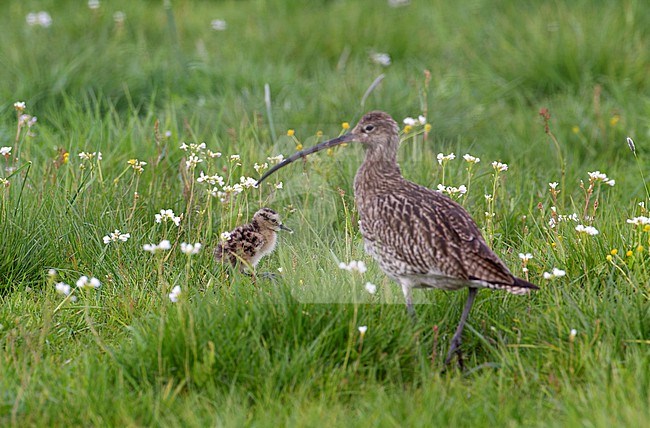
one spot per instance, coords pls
(369, 128)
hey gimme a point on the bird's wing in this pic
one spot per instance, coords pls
(429, 233)
(243, 242)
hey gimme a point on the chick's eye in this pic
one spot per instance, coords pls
(369, 128)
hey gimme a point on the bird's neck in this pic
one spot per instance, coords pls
(378, 173)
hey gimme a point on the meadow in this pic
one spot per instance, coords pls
(113, 113)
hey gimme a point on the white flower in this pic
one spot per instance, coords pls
(354, 265)
(93, 4)
(525, 257)
(42, 19)
(471, 159)
(214, 154)
(601, 176)
(259, 168)
(553, 185)
(371, 288)
(5, 151)
(398, 3)
(363, 329)
(280, 269)
(235, 158)
(410, 121)
(597, 176)
(248, 182)
(499, 166)
(589, 230)
(190, 249)
(218, 25)
(573, 333)
(225, 236)
(119, 17)
(275, 159)
(443, 158)
(555, 273)
(380, 58)
(279, 185)
(19, 105)
(153, 248)
(175, 294)
(184, 146)
(63, 288)
(422, 120)
(116, 236)
(137, 165)
(452, 191)
(83, 282)
(639, 221)
(192, 161)
(168, 215)
(89, 156)
(210, 179)
(235, 189)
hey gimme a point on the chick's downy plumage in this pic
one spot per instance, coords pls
(249, 243)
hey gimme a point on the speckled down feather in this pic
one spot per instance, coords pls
(247, 244)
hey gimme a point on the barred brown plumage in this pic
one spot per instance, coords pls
(418, 236)
(248, 243)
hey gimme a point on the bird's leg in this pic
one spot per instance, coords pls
(406, 289)
(454, 348)
(268, 275)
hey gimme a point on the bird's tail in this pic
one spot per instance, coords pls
(521, 286)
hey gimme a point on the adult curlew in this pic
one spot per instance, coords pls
(419, 237)
(248, 243)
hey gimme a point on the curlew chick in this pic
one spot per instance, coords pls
(419, 237)
(247, 244)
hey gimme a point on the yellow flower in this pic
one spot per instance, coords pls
(299, 147)
(407, 129)
(609, 257)
(319, 134)
(291, 132)
(646, 228)
(427, 127)
(639, 249)
(575, 129)
(66, 157)
(614, 120)
(629, 253)
(613, 252)
(345, 125)
(330, 152)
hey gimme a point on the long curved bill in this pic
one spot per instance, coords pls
(301, 154)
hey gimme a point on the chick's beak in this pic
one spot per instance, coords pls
(283, 227)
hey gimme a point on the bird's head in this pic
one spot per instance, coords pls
(268, 219)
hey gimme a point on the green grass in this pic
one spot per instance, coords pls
(235, 352)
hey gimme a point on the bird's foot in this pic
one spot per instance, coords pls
(268, 275)
(454, 349)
